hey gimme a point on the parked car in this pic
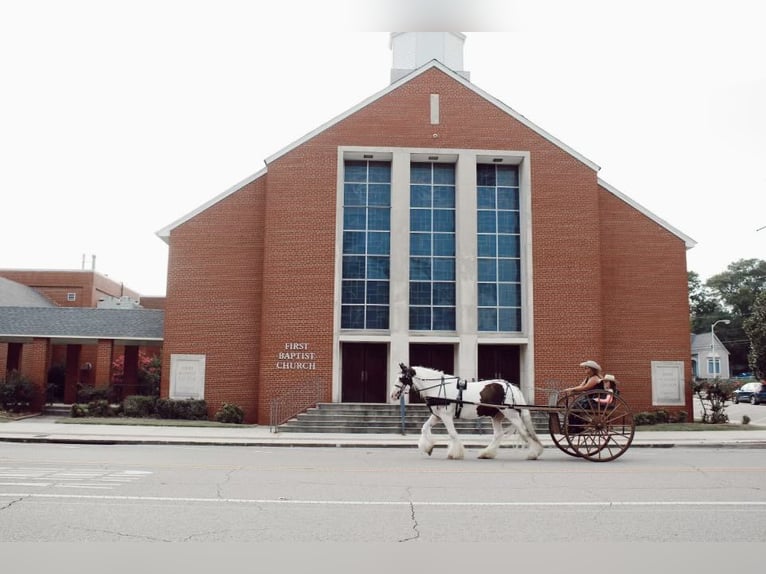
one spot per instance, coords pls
(754, 393)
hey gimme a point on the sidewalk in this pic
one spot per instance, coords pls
(45, 429)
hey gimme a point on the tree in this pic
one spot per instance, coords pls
(703, 304)
(737, 288)
(755, 327)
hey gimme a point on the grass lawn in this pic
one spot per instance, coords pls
(147, 422)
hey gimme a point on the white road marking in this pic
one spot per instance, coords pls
(606, 503)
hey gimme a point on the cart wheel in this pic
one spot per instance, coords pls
(597, 432)
(557, 428)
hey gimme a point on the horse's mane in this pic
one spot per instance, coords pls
(427, 373)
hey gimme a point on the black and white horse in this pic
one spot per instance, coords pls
(447, 398)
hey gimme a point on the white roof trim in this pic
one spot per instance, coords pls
(617, 193)
(436, 64)
(164, 233)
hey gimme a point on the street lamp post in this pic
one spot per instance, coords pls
(712, 343)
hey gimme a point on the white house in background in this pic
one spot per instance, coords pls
(710, 359)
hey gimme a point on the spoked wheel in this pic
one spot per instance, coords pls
(557, 422)
(599, 432)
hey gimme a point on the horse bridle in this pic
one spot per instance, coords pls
(405, 379)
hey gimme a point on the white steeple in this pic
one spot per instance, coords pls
(413, 49)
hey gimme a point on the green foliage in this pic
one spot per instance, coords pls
(17, 393)
(713, 396)
(102, 408)
(148, 374)
(89, 393)
(188, 409)
(139, 406)
(728, 295)
(755, 327)
(659, 417)
(230, 413)
(78, 411)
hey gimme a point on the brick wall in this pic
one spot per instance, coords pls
(88, 286)
(214, 297)
(255, 271)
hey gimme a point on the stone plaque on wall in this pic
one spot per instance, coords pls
(187, 376)
(668, 383)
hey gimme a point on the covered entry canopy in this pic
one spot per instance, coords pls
(84, 339)
(68, 324)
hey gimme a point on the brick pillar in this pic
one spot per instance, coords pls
(3, 360)
(102, 368)
(34, 366)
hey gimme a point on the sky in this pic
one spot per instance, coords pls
(119, 118)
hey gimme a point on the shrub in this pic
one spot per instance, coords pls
(89, 393)
(229, 413)
(187, 409)
(138, 406)
(17, 393)
(78, 411)
(645, 418)
(745, 420)
(102, 408)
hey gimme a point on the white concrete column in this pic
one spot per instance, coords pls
(466, 268)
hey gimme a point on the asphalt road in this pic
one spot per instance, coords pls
(93, 493)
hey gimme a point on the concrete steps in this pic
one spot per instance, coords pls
(374, 418)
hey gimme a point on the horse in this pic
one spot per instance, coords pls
(448, 397)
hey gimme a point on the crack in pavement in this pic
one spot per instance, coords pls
(415, 529)
(11, 503)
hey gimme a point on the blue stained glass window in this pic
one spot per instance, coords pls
(352, 316)
(354, 218)
(444, 294)
(378, 267)
(487, 221)
(432, 247)
(485, 198)
(488, 270)
(443, 268)
(444, 173)
(355, 171)
(420, 220)
(353, 292)
(443, 319)
(377, 292)
(420, 318)
(420, 293)
(498, 248)
(420, 268)
(444, 220)
(366, 245)
(353, 267)
(354, 194)
(379, 218)
(420, 196)
(377, 316)
(487, 246)
(420, 244)
(444, 244)
(380, 171)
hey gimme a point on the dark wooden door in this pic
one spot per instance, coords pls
(499, 362)
(434, 356)
(364, 372)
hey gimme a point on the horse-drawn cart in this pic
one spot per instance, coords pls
(596, 425)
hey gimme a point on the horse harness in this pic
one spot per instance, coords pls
(441, 401)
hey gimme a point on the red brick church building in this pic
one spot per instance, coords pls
(430, 224)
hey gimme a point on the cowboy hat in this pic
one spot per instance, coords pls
(591, 364)
(609, 378)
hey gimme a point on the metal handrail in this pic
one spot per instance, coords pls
(284, 407)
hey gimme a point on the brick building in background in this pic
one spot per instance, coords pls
(430, 224)
(77, 323)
